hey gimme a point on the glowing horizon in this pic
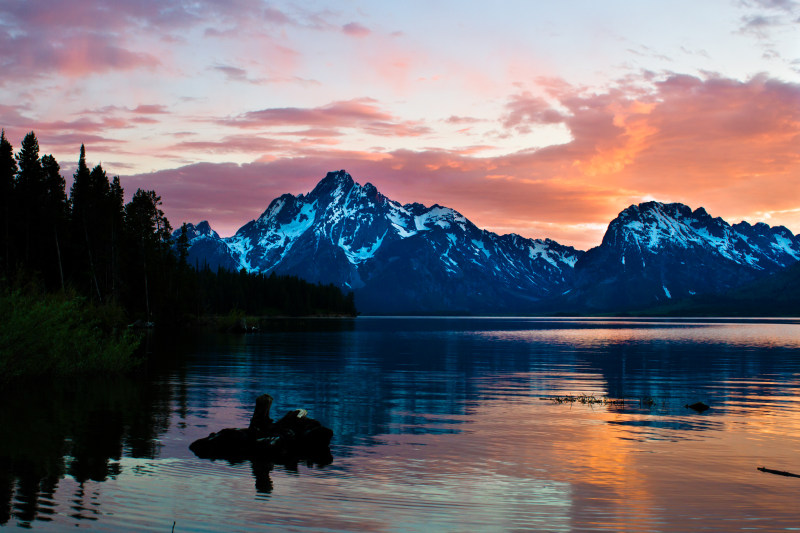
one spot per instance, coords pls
(541, 120)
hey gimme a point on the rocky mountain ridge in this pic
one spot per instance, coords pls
(414, 259)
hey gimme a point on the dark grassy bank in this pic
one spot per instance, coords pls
(61, 335)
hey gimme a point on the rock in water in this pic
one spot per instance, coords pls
(293, 437)
(698, 406)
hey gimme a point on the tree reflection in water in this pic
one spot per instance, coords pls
(77, 428)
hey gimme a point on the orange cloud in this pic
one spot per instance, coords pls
(727, 145)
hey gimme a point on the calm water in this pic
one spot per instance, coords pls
(439, 425)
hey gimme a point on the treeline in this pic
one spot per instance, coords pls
(122, 255)
(258, 294)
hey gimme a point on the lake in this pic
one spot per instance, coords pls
(449, 424)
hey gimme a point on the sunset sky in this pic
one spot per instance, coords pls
(539, 118)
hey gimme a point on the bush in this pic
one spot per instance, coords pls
(58, 335)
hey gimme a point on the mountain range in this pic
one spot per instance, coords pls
(415, 259)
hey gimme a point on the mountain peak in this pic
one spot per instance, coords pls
(654, 252)
(399, 258)
(202, 229)
(652, 206)
(333, 182)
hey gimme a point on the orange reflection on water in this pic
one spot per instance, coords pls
(572, 444)
(615, 468)
(761, 335)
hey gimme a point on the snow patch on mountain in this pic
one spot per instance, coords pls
(786, 245)
(240, 248)
(481, 248)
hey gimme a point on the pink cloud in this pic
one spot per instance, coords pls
(343, 113)
(71, 56)
(89, 37)
(276, 16)
(354, 29)
(361, 113)
(232, 144)
(114, 15)
(150, 109)
(96, 128)
(230, 195)
(453, 119)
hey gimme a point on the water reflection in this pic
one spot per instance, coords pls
(438, 423)
(79, 429)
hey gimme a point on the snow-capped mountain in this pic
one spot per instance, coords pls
(206, 247)
(397, 258)
(201, 231)
(417, 259)
(653, 253)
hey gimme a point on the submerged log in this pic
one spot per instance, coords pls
(293, 437)
(777, 472)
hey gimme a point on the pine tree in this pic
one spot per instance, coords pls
(89, 195)
(54, 208)
(183, 246)
(100, 227)
(116, 215)
(8, 169)
(149, 231)
(30, 191)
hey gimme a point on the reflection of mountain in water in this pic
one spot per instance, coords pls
(669, 370)
(427, 376)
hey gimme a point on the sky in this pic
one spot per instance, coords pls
(542, 118)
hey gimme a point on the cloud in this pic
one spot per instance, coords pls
(229, 195)
(150, 109)
(342, 113)
(524, 111)
(236, 74)
(760, 25)
(72, 56)
(458, 120)
(724, 144)
(767, 16)
(76, 39)
(360, 113)
(276, 16)
(354, 29)
(92, 125)
(232, 144)
(781, 5)
(232, 73)
(728, 145)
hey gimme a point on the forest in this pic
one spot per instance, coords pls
(90, 254)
